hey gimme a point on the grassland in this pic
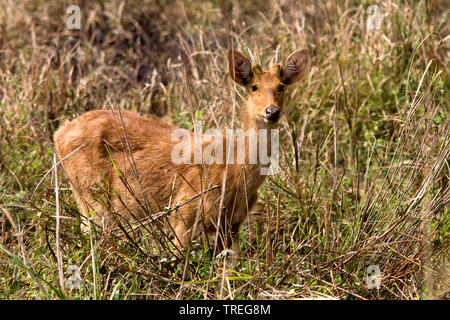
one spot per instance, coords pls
(364, 177)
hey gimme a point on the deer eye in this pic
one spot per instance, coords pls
(281, 87)
(254, 88)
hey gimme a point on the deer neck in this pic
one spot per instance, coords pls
(262, 146)
(262, 129)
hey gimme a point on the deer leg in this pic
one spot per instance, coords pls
(234, 240)
(181, 235)
(230, 236)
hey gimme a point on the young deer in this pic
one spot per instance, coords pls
(120, 164)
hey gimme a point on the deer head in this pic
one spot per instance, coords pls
(266, 88)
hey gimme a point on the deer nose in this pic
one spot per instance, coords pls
(272, 113)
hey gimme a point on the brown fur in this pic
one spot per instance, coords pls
(105, 182)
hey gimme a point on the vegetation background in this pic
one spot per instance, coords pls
(364, 176)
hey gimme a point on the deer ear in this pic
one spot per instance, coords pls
(240, 68)
(295, 66)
